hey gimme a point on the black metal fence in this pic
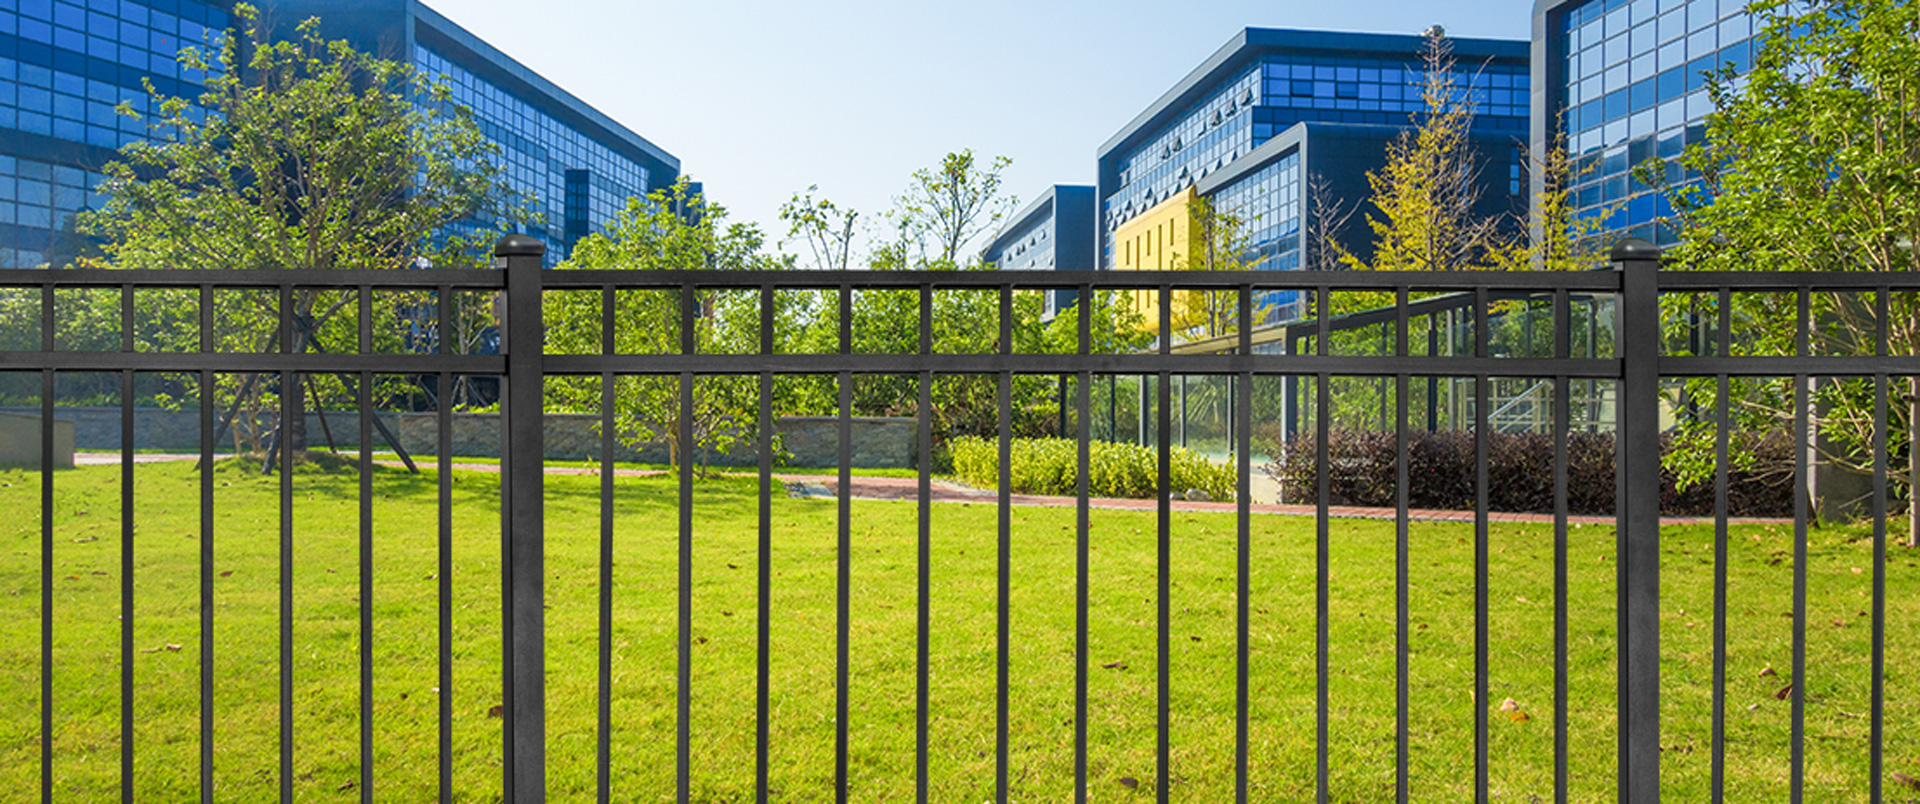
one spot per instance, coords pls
(1638, 366)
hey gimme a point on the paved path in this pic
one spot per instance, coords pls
(113, 458)
(907, 489)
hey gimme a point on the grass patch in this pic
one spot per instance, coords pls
(87, 585)
(425, 462)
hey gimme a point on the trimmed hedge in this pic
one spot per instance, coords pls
(1047, 466)
(1520, 474)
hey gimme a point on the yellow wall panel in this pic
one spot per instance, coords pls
(1155, 240)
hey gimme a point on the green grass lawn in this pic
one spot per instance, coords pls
(1121, 708)
(825, 471)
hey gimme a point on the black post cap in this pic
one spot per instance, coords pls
(1634, 249)
(519, 245)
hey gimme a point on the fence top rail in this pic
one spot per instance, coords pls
(251, 363)
(256, 278)
(1054, 365)
(1101, 280)
(1104, 280)
(1788, 280)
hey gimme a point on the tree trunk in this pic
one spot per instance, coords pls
(294, 438)
(1913, 462)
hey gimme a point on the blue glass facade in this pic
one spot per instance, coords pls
(1209, 134)
(1054, 232)
(1272, 108)
(1267, 202)
(1278, 91)
(572, 183)
(66, 64)
(64, 67)
(1627, 81)
(573, 166)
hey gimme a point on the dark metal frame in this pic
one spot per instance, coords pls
(1639, 367)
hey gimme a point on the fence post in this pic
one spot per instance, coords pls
(1638, 498)
(522, 511)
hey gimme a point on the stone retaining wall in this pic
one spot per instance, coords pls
(20, 440)
(878, 443)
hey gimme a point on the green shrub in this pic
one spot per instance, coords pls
(1047, 466)
(1440, 467)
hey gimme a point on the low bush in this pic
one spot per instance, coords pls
(1048, 466)
(1361, 471)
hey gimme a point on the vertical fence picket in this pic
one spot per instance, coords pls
(1802, 514)
(46, 565)
(289, 402)
(365, 462)
(603, 688)
(443, 561)
(126, 559)
(1242, 423)
(1322, 551)
(206, 571)
(126, 547)
(1876, 734)
(603, 705)
(1722, 442)
(1802, 509)
(689, 321)
(683, 687)
(763, 654)
(1003, 569)
(1878, 693)
(923, 553)
(843, 557)
(1562, 489)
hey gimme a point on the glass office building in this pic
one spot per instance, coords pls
(1051, 233)
(1274, 111)
(1624, 81)
(576, 166)
(66, 64)
(64, 67)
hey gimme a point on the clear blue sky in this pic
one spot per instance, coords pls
(760, 99)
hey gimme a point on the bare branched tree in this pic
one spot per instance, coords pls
(1327, 218)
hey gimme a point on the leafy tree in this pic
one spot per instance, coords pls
(301, 154)
(1427, 193)
(668, 230)
(1217, 242)
(827, 229)
(949, 205)
(946, 207)
(1558, 239)
(1810, 164)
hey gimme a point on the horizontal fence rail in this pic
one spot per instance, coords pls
(1636, 359)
